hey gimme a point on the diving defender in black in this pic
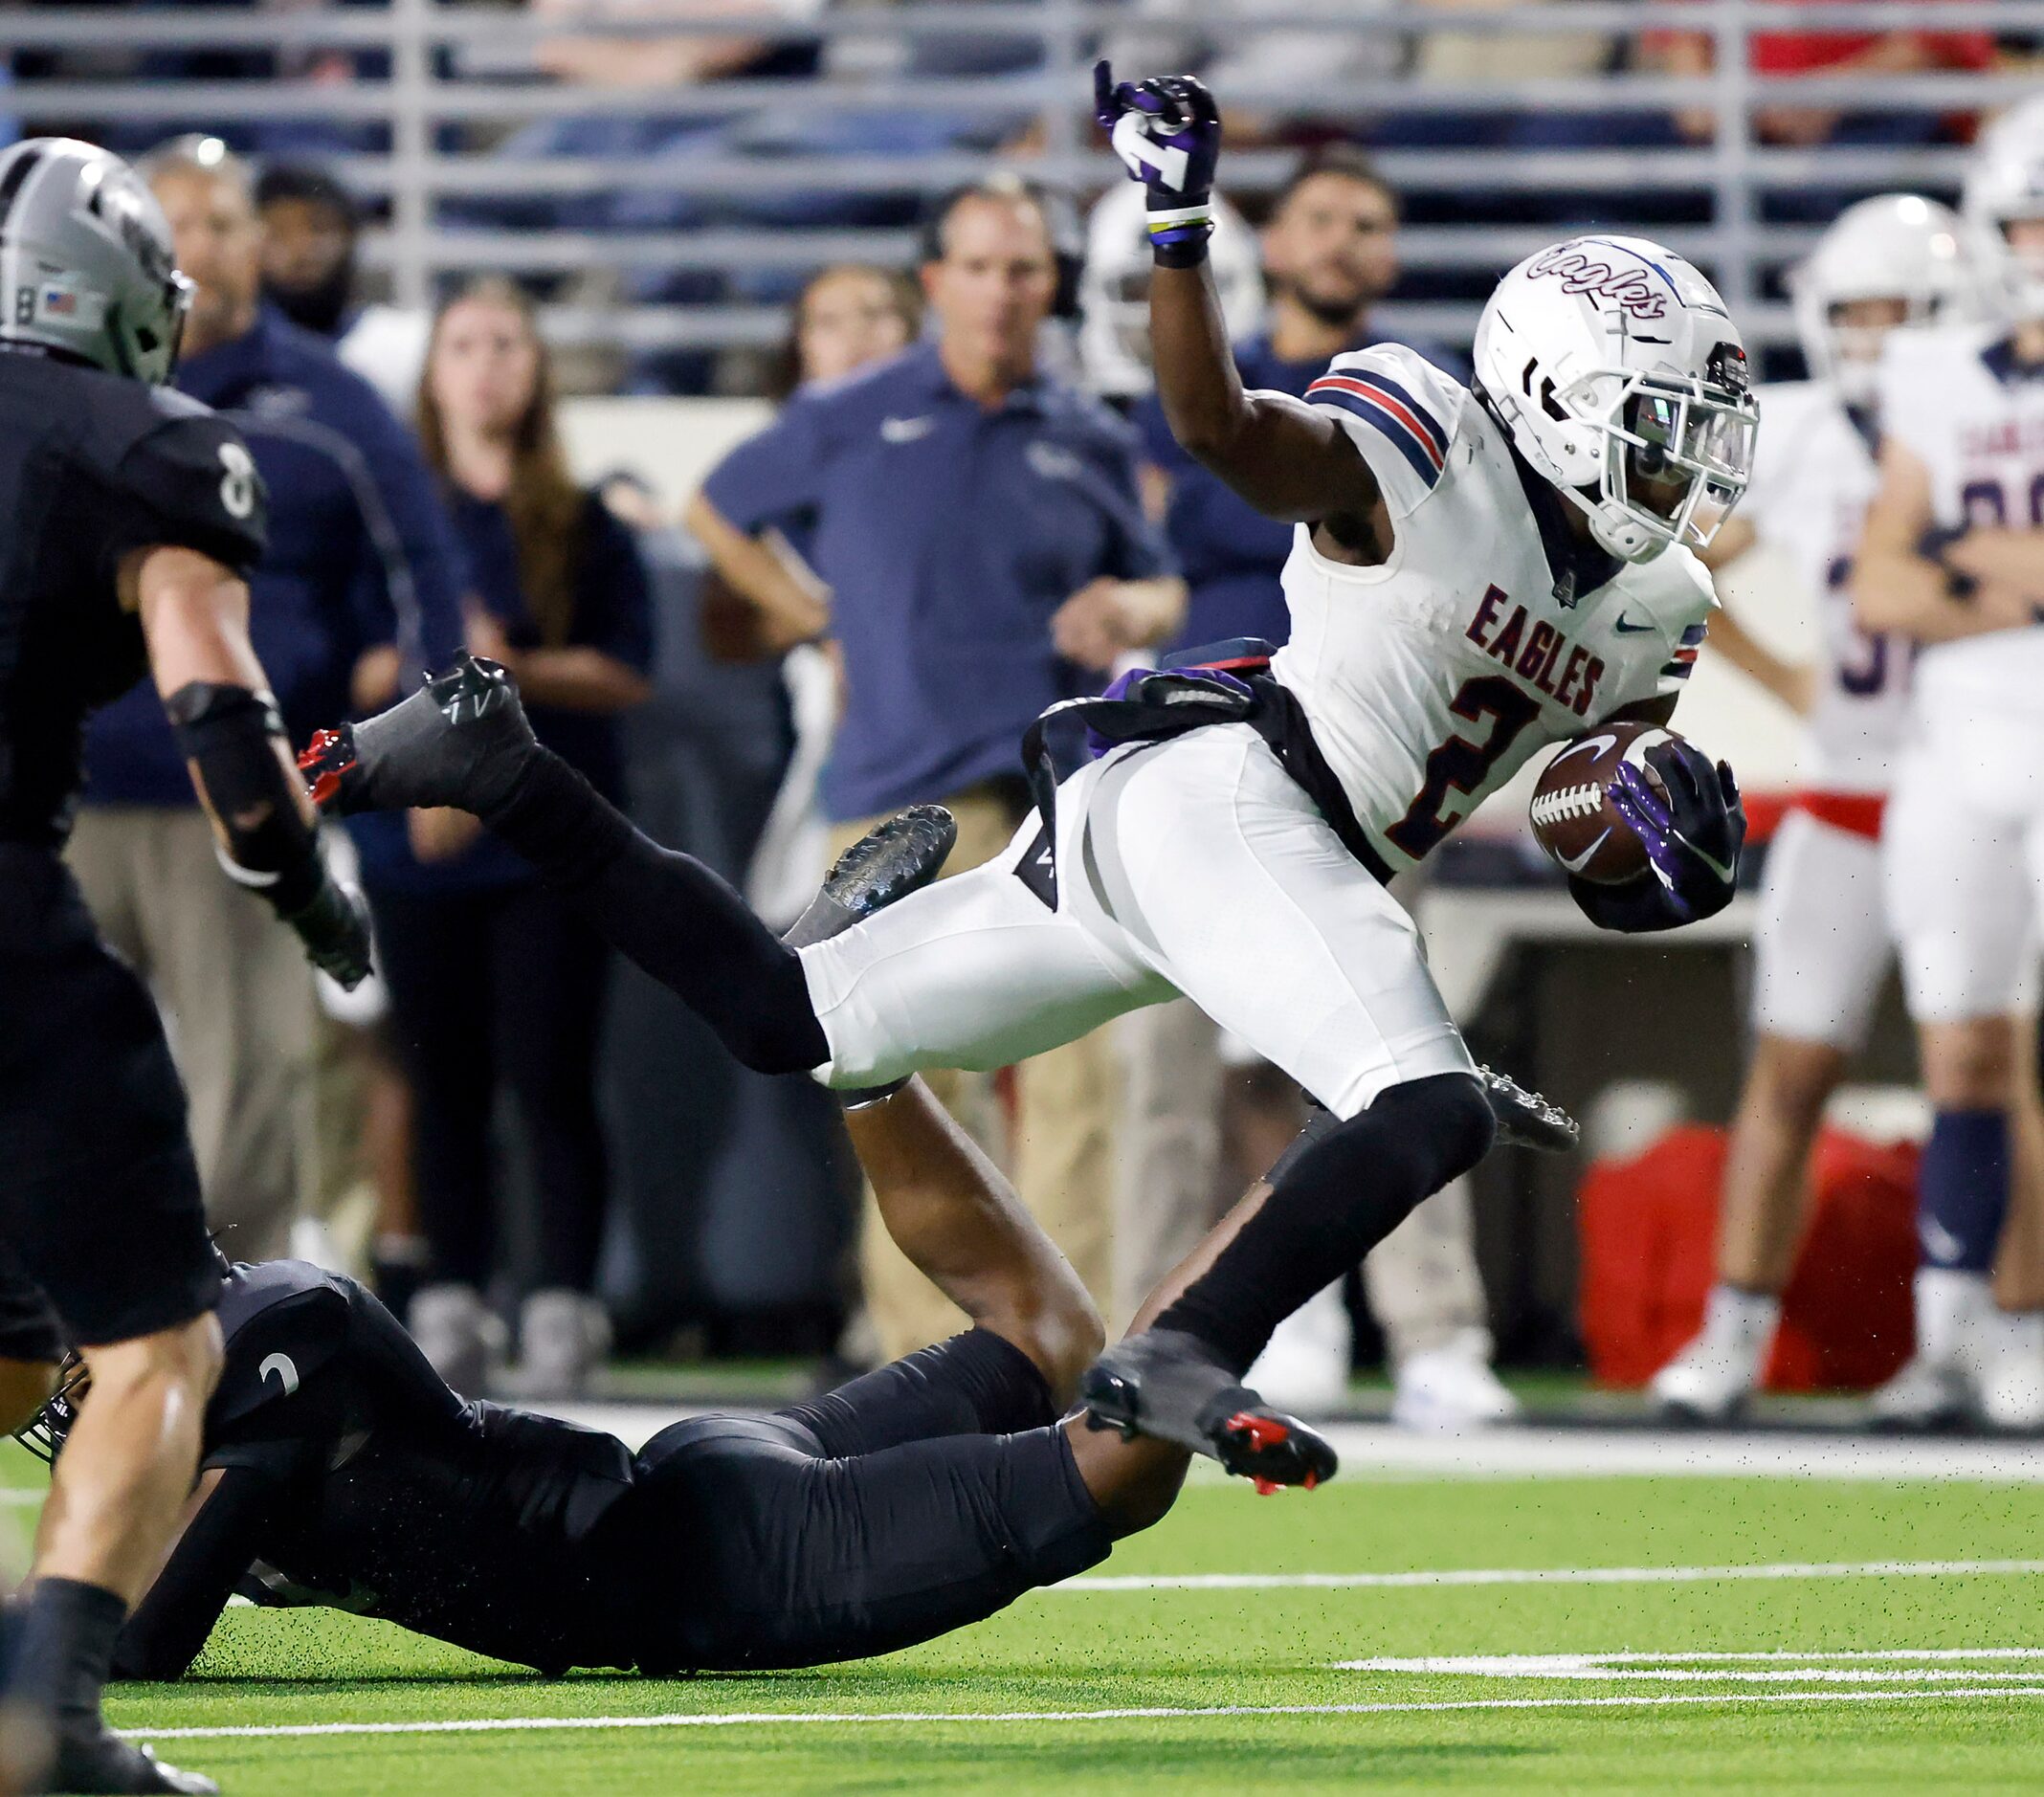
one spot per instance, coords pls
(910, 1502)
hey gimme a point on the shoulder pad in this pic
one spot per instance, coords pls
(199, 487)
(1400, 411)
(284, 1322)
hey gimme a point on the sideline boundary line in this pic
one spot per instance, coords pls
(766, 1718)
(1553, 1575)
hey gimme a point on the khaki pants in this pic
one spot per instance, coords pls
(239, 1002)
(1063, 1142)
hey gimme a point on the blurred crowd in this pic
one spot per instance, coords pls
(966, 508)
(870, 93)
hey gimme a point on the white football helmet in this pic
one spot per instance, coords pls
(1114, 346)
(86, 263)
(1622, 379)
(2005, 183)
(1896, 246)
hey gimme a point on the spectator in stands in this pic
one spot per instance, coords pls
(976, 524)
(1827, 52)
(360, 579)
(1330, 254)
(310, 227)
(494, 982)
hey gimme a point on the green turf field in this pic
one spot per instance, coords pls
(1851, 1655)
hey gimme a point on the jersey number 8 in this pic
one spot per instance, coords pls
(237, 484)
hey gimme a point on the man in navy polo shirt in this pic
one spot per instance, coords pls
(978, 527)
(1330, 255)
(360, 579)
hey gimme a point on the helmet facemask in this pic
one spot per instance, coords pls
(1678, 454)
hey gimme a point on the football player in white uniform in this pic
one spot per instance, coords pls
(1821, 950)
(1953, 556)
(1472, 577)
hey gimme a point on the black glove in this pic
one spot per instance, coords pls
(334, 926)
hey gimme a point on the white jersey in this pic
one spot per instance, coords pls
(1431, 681)
(1977, 425)
(1813, 478)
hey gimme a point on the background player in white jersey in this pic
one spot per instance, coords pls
(1953, 556)
(1821, 950)
(1471, 578)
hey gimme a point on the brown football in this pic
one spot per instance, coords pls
(1571, 811)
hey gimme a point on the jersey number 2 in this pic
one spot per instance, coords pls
(1460, 766)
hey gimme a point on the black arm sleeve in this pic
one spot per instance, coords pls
(1632, 908)
(167, 1630)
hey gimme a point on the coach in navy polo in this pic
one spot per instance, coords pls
(978, 525)
(362, 576)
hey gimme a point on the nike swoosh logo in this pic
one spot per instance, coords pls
(1625, 628)
(1575, 864)
(287, 1374)
(1596, 746)
(905, 430)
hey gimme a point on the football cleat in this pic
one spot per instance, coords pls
(898, 856)
(462, 740)
(1165, 1385)
(1708, 1382)
(102, 1761)
(1924, 1396)
(894, 858)
(1446, 1389)
(1527, 1119)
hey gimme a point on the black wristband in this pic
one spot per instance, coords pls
(1188, 253)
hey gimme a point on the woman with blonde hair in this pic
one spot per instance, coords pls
(494, 983)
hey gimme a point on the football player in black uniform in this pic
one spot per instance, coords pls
(127, 514)
(907, 1504)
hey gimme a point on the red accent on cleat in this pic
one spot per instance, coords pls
(1310, 1480)
(1266, 1486)
(324, 787)
(1263, 1431)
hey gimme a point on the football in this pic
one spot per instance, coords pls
(1572, 815)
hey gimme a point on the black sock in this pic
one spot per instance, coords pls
(669, 913)
(64, 1646)
(1333, 1199)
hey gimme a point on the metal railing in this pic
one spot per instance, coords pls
(436, 123)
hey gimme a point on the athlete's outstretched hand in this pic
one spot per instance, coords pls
(1168, 133)
(1693, 833)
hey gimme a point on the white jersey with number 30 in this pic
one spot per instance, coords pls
(1975, 421)
(1429, 680)
(1814, 478)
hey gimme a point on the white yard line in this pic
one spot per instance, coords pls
(1555, 1575)
(1726, 1699)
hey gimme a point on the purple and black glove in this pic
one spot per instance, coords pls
(1693, 828)
(1168, 133)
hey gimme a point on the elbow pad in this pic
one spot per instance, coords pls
(230, 735)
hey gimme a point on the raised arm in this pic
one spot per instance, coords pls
(1283, 457)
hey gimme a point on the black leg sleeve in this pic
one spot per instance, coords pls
(668, 913)
(976, 1384)
(1332, 1200)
